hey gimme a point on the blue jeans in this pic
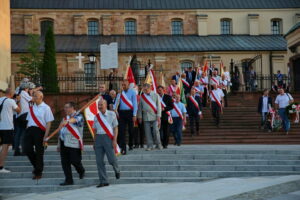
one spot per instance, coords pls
(285, 120)
(176, 129)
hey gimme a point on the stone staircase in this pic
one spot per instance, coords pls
(187, 163)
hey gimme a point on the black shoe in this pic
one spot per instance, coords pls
(118, 174)
(130, 148)
(141, 146)
(81, 175)
(102, 185)
(136, 146)
(66, 183)
(17, 153)
(36, 177)
(165, 147)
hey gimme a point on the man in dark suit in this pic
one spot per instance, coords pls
(263, 107)
(194, 110)
(166, 106)
(190, 76)
(176, 77)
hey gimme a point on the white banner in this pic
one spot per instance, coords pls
(109, 55)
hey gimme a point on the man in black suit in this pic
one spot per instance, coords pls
(190, 76)
(263, 107)
(105, 95)
(176, 77)
(194, 110)
(166, 106)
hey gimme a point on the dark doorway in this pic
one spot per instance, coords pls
(296, 65)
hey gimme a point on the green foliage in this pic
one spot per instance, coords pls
(31, 63)
(49, 68)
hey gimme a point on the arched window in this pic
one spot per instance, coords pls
(276, 26)
(45, 24)
(185, 65)
(93, 27)
(177, 27)
(90, 73)
(226, 26)
(130, 27)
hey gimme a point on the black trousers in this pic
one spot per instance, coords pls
(215, 108)
(70, 156)
(34, 149)
(164, 133)
(125, 121)
(141, 134)
(194, 122)
(225, 97)
(204, 97)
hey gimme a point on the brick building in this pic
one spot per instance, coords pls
(172, 34)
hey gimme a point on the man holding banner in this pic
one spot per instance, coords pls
(70, 143)
(106, 128)
(150, 112)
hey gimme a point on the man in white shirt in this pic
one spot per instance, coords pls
(263, 108)
(224, 86)
(39, 123)
(216, 97)
(281, 102)
(6, 124)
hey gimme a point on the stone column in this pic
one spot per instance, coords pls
(153, 25)
(106, 25)
(253, 24)
(28, 24)
(202, 24)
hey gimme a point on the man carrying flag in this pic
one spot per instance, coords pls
(150, 112)
(70, 143)
(106, 128)
(216, 97)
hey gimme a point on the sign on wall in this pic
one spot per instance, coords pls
(109, 55)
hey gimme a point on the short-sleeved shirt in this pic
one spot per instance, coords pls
(43, 113)
(283, 100)
(110, 117)
(9, 105)
(181, 107)
(79, 123)
(24, 101)
(219, 94)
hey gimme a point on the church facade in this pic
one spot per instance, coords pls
(172, 34)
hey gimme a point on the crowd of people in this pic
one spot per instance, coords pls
(149, 113)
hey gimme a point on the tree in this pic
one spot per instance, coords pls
(31, 63)
(49, 68)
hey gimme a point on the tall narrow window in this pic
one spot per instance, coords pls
(45, 24)
(185, 65)
(177, 27)
(276, 26)
(130, 27)
(90, 74)
(226, 27)
(93, 26)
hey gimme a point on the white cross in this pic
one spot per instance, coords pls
(79, 57)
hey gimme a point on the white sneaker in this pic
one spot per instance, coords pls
(3, 170)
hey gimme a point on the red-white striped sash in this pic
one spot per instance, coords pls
(185, 83)
(216, 100)
(105, 125)
(126, 100)
(193, 100)
(178, 111)
(214, 80)
(202, 80)
(74, 131)
(163, 105)
(172, 88)
(35, 119)
(150, 102)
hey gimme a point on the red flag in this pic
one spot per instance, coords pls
(150, 79)
(205, 68)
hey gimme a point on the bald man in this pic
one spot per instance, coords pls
(39, 123)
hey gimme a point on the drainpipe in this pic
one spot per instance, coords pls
(271, 67)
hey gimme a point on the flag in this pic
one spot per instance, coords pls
(205, 68)
(162, 80)
(89, 113)
(180, 91)
(221, 68)
(150, 79)
(130, 77)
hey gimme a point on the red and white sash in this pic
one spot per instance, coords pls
(197, 90)
(150, 102)
(178, 111)
(163, 105)
(202, 80)
(185, 83)
(126, 100)
(215, 80)
(74, 131)
(193, 100)
(173, 89)
(35, 119)
(215, 98)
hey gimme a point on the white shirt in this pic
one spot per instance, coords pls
(224, 83)
(218, 94)
(43, 113)
(7, 121)
(265, 104)
(217, 78)
(24, 101)
(110, 117)
(283, 100)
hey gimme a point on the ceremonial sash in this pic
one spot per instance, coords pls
(197, 90)
(74, 131)
(203, 82)
(126, 100)
(178, 111)
(193, 100)
(214, 80)
(185, 83)
(172, 89)
(216, 100)
(105, 125)
(150, 102)
(35, 119)
(163, 105)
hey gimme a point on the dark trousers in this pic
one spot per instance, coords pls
(215, 108)
(204, 97)
(194, 122)
(176, 129)
(225, 97)
(19, 135)
(164, 133)
(141, 134)
(70, 156)
(125, 121)
(34, 149)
